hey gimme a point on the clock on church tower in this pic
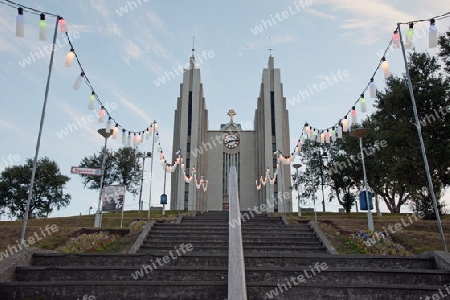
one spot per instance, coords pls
(231, 141)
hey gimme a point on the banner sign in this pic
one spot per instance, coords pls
(86, 171)
(113, 198)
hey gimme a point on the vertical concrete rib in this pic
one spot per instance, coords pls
(236, 267)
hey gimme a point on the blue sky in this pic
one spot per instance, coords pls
(124, 54)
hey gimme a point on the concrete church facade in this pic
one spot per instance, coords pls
(212, 152)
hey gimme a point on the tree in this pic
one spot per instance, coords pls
(122, 168)
(315, 173)
(397, 173)
(48, 189)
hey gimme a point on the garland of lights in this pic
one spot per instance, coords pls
(333, 132)
(136, 137)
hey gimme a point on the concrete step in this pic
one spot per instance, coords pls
(251, 260)
(182, 239)
(339, 261)
(348, 276)
(153, 272)
(245, 235)
(175, 244)
(134, 290)
(136, 260)
(114, 290)
(262, 290)
(224, 249)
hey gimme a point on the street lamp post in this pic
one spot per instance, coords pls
(98, 214)
(143, 156)
(155, 128)
(299, 213)
(360, 133)
(321, 175)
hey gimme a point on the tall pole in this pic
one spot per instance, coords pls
(181, 185)
(312, 178)
(299, 210)
(151, 171)
(369, 210)
(142, 182)
(98, 214)
(164, 192)
(422, 144)
(321, 177)
(38, 143)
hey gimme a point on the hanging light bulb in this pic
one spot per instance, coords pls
(156, 136)
(62, 24)
(124, 136)
(42, 28)
(139, 138)
(108, 125)
(101, 115)
(306, 128)
(372, 88)
(432, 35)
(78, 82)
(354, 119)
(385, 66)
(142, 137)
(129, 139)
(362, 100)
(327, 137)
(410, 36)
(91, 101)
(396, 40)
(20, 23)
(333, 134)
(322, 137)
(339, 132)
(69, 58)
(134, 140)
(156, 126)
(345, 124)
(115, 131)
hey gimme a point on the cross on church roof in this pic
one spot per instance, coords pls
(231, 113)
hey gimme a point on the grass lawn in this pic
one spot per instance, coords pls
(10, 230)
(418, 236)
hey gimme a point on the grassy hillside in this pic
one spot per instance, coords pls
(417, 236)
(10, 230)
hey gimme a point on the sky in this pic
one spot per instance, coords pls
(127, 48)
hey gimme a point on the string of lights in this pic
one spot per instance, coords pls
(334, 131)
(111, 123)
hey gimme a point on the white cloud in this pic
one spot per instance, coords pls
(156, 22)
(264, 44)
(320, 14)
(101, 7)
(132, 107)
(114, 29)
(78, 28)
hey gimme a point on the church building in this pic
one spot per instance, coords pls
(209, 153)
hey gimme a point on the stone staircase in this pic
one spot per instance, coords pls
(276, 256)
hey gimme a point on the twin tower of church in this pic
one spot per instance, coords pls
(211, 152)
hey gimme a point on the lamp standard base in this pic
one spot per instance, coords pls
(98, 219)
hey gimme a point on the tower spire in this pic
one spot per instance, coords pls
(193, 46)
(270, 46)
